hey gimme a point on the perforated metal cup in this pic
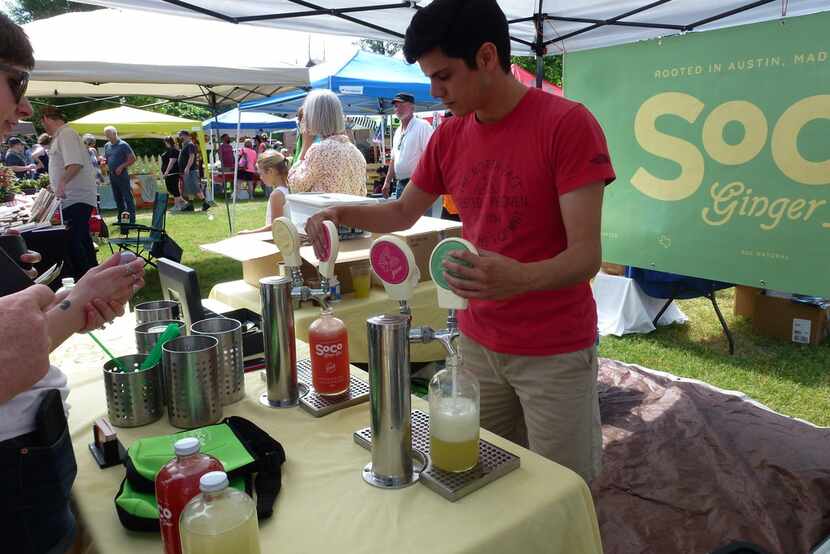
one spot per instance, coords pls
(231, 371)
(134, 397)
(147, 334)
(157, 310)
(191, 369)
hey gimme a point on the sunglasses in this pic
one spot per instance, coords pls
(18, 81)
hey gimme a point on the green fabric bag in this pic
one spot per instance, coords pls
(251, 458)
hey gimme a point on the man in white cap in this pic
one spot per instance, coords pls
(408, 144)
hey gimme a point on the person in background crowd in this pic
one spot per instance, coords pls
(261, 142)
(120, 156)
(334, 164)
(298, 143)
(226, 154)
(190, 173)
(40, 154)
(170, 172)
(408, 144)
(39, 470)
(89, 142)
(527, 170)
(73, 181)
(247, 167)
(16, 160)
(273, 170)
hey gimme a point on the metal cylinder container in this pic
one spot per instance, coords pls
(390, 408)
(191, 368)
(146, 334)
(228, 332)
(134, 397)
(282, 391)
(156, 310)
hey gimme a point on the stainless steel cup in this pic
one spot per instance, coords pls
(191, 368)
(156, 310)
(134, 397)
(147, 334)
(228, 332)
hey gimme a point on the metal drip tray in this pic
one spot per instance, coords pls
(494, 462)
(318, 405)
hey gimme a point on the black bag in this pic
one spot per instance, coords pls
(167, 248)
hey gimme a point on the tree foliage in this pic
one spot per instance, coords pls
(383, 47)
(552, 67)
(25, 11)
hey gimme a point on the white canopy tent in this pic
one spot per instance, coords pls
(126, 52)
(536, 26)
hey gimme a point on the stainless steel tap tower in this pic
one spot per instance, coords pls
(391, 424)
(283, 390)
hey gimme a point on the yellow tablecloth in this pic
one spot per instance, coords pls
(325, 506)
(354, 312)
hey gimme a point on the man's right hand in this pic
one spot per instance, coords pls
(314, 228)
(387, 185)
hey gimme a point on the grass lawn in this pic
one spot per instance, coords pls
(789, 378)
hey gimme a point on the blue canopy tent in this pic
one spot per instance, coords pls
(365, 82)
(248, 121)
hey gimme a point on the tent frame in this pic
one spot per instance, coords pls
(539, 46)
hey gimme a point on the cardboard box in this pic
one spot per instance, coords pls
(791, 321)
(259, 258)
(613, 269)
(745, 300)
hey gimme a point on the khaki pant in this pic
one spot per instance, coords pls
(546, 403)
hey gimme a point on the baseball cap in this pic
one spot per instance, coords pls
(15, 140)
(404, 97)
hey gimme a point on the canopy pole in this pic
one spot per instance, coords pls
(214, 109)
(538, 46)
(236, 163)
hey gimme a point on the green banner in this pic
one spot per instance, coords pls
(721, 143)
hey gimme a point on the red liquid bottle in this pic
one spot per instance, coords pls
(329, 345)
(176, 484)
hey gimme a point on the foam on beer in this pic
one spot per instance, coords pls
(454, 420)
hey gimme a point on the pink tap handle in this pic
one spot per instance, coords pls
(389, 263)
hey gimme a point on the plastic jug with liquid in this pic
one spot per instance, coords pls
(220, 520)
(176, 484)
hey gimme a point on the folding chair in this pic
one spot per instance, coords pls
(140, 239)
(659, 284)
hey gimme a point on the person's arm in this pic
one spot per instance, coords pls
(170, 163)
(24, 340)
(492, 276)
(379, 218)
(106, 287)
(129, 161)
(390, 176)
(70, 172)
(277, 201)
(190, 159)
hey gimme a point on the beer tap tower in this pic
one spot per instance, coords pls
(280, 296)
(389, 338)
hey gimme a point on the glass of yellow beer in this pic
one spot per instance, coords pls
(361, 279)
(454, 419)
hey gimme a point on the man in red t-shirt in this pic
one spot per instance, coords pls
(526, 170)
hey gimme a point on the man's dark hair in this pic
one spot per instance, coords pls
(52, 112)
(15, 47)
(458, 28)
(184, 133)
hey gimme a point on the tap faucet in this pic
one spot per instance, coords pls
(447, 337)
(301, 293)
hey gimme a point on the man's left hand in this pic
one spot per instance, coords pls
(489, 276)
(119, 170)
